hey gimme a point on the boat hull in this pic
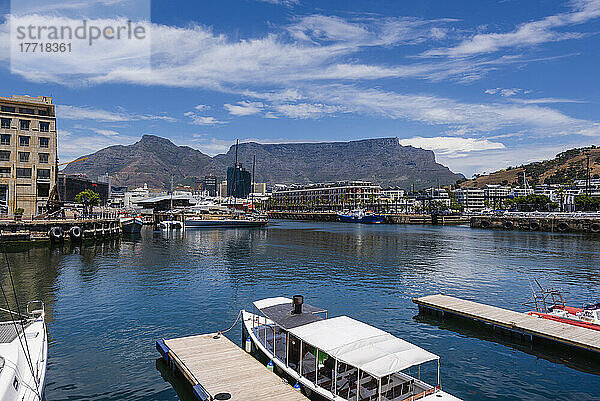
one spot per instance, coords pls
(573, 322)
(200, 223)
(131, 226)
(368, 219)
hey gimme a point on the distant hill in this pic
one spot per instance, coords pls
(383, 161)
(567, 166)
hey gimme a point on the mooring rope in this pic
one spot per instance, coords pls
(232, 326)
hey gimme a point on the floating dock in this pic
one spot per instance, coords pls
(531, 327)
(218, 369)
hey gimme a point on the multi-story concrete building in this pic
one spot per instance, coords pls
(472, 199)
(496, 194)
(27, 153)
(338, 193)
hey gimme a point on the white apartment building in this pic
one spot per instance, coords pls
(472, 199)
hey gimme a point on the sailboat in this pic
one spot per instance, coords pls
(171, 224)
(23, 354)
(336, 358)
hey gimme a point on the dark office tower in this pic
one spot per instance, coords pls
(238, 182)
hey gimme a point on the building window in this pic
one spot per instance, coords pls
(44, 142)
(5, 123)
(23, 157)
(24, 125)
(43, 173)
(23, 172)
(43, 190)
(5, 139)
(4, 155)
(43, 112)
(23, 140)
(24, 110)
(4, 171)
(44, 126)
(44, 157)
(8, 109)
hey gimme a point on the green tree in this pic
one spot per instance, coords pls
(587, 203)
(88, 199)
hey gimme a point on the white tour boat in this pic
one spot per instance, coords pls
(23, 355)
(337, 358)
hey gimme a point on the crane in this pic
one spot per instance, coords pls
(73, 161)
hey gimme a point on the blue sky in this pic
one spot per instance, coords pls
(485, 84)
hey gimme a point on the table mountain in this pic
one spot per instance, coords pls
(384, 161)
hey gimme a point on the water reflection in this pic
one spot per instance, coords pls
(108, 302)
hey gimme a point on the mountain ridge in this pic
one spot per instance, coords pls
(154, 159)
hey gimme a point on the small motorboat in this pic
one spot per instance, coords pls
(550, 304)
(131, 223)
(360, 216)
(170, 225)
(337, 358)
(23, 354)
(200, 222)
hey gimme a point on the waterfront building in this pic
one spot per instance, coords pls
(28, 160)
(472, 199)
(438, 195)
(132, 197)
(223, 189)
(238, 182)
(209, 184)
(496, 194)
(394, 194)
(69, 185)
(343, 193)
(260, 188)
(520, 191)
(117, 197)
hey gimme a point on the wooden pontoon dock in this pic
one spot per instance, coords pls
(531, 327)
(218, 369)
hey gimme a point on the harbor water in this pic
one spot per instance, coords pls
(108, 302)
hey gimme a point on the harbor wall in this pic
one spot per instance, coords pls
(388, 218)
(532, 222)
(59, 230)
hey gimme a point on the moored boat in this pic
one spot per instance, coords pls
(549, 303)
(170, 225)
(23, 354)
(360, 216)
(199, 222)
(131, 223)
(336, 358)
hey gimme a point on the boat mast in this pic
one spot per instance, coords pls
(171, 210)
(252, 186)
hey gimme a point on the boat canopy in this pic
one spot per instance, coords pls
(279, 310)
(365, 347)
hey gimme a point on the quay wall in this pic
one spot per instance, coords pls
(565, 224)
(388, 218)
(59, 230)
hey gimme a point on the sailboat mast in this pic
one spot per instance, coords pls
(252, 182)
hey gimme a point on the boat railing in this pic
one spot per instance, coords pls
(36, 308)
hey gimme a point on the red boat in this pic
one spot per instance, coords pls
(550, 304)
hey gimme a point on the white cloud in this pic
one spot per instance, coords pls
(89, 113)
(105, 132)
(287, 3)
(202, 120)
(202, 107)
(307, 110)
(527, 34)
(452, 146)
(470, 117)
(545, 100)
(244, 108)
(72, 145)
(506, 92)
